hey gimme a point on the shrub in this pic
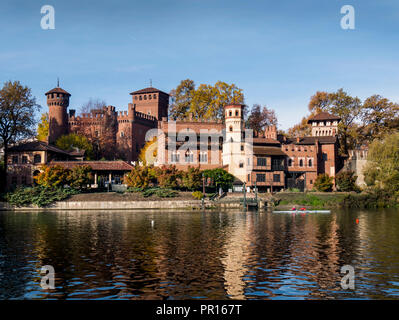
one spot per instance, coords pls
(160, 192)
(346, 181)
(192, 178)
(139, 177)
(168, 177)
(40, 196)
(198, 195)
(323, 183)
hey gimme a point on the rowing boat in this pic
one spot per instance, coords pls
(304, 211)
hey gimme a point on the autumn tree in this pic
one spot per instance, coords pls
(148, 154)
(52, 176)
(204, 102)
(17, 117)
(181, 99)
(43, 127)
(74, 141)
(139, 177)
(261, 117)
(301, 129)
(346, 107)
(378, 116)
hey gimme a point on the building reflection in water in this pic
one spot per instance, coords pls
(219, 255)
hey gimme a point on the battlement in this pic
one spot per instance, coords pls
(143, 117)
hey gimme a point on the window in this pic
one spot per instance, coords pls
(203, 157)
(149, 96)
(155, 96)
(230, 114)
(145, 97)
(24, 159)
(14, 159)
(310, 164)
(260, 177)
(301, 163)
(236, 113)
(231, 128)
(135, 97)
(290, 162)
(242, 148)
(276, 178)
(175, 157)
(140, 98)
(324, 156)
(261, 162)
(189, 157)
(241, 165)
(37, 158)
(122, 134)
(311, 181)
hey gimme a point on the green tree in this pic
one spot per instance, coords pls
(72, 141)
(219, 177)
(43, 127)
(17, 117)
(346, 181)
(80, 176)
(323, 183)
(346, 107)
(382, 169)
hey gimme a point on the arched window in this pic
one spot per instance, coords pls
(301, 163)
(290, 162)
(236, 113)
(37, 158)
(310, 164)
(231, 128)
(230, 114)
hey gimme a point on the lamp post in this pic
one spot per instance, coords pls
(203, 191)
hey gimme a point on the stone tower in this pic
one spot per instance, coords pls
(151, 101)
(234, 147)
(58, 102)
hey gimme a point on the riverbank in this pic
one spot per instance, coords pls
(186, 201)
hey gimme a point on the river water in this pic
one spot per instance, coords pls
(218, 255)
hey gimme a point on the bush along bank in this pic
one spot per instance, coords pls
(365, 200)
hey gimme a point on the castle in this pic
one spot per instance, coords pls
(123, 132)
(270, 161)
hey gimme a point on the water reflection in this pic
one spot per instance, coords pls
(221, 255)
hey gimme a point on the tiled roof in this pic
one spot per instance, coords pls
(311, 140)
(323, 116)
(36, 146)
(147, 90)
(272, 151)
(265, 140)
(118, 165)
(58, 90)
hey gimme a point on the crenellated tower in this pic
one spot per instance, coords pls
(58, 102)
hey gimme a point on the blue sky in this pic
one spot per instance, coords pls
(279, 52)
